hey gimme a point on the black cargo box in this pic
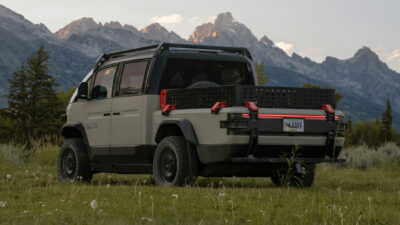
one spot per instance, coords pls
(264, 97)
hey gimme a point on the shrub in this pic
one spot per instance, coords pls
(364, 157)
(41, 154)
(10, 154)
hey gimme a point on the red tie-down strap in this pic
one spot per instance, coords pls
(167, 109)
(251, 106)
(217, 107)
(328, 108)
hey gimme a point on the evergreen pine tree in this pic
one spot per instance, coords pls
(386, 127)
(18, 105)
(45, 106)
(33, 103)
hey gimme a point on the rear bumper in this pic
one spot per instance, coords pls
(227, 153)
(255, 167)
(255, 137)
(285, 160)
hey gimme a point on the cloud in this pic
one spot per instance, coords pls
(198, 19)
(391, 57)
(195, 19)
(287, 47)
(395, 55)
(388, 55)
(171, 19)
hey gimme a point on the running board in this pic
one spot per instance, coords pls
(285, 160)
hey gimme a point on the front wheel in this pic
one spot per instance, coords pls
(175, 162)
(73, 162)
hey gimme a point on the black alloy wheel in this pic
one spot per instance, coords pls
(73, 162)
(68, 167)
(168, 165)
(175, 162)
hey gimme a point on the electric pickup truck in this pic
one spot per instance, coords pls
(179, 111)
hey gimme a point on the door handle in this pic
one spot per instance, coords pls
(116, 113)
(106, 114)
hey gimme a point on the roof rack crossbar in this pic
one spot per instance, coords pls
(104, 57)
(113, 54)
(243, 51)
(166, 46)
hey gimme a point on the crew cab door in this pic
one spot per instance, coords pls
(126, 122)
(98, 119)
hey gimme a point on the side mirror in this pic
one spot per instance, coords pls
(83, 90)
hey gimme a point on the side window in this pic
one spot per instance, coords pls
(102, 87)
(132, 78)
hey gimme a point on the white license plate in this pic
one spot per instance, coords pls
(293, 125)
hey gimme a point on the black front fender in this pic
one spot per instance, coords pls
(76, 130)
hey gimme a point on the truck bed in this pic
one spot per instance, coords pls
(236, 131)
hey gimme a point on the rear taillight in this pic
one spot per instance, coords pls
(163, 98)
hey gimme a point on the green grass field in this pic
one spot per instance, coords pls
(30, 194)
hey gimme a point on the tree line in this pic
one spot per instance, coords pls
(373, 133)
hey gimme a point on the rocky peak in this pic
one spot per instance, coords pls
(131, 28)
(159, 33)
(224, 18)
(8, 13)
(330, 61)
(154, 28)
(76, 27)
(304, 60)
(297, 57)
(365, 54)
(113, 25)
(266, 41)
(369, 60)
(226, 22)
(21, 27)
(201, 32)
(224, 31)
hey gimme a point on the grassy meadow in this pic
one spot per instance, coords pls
(366, 191)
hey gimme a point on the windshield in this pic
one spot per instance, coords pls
(182, 73)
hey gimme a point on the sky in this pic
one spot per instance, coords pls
(312, 28)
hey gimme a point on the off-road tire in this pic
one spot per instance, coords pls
(73, 162)
(285, 176)
(201, 84)
(175, 162)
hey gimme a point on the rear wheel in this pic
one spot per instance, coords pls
(175, 162)
(73, 162)
(298, 175)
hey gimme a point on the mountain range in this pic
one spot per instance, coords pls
(364, 80)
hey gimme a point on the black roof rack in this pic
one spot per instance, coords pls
(106, 56)
(238, 50)
(167, 46)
